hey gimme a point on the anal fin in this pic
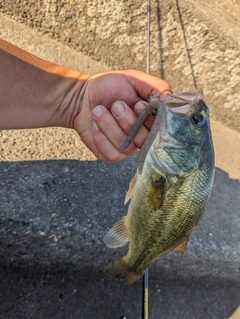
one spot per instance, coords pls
(182, 247)
(117, 235)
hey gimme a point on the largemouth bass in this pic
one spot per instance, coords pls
(171, 188)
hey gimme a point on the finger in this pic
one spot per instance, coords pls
(106, 150)
(126, 118)
(138, 108)
(112, 132)
(146, 84)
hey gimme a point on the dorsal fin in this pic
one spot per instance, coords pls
(131, 188)
(117, 235)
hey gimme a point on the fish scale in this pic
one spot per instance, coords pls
(170, 192)
(165, 234)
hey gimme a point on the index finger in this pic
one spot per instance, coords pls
(146, 84)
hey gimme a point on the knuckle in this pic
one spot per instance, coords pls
(130, 150)
(114, 156)
(128, 124)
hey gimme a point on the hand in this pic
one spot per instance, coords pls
(109, 108)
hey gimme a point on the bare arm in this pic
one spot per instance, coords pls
(35, 93)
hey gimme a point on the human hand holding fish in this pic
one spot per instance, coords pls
(35, 93)
(116, 99)
(172, 186)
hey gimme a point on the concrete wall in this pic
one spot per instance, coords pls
(193, 43)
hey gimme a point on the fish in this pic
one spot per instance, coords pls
(171, 188)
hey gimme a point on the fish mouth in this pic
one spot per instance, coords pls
(166, 143)
(179, 102)
(166, 139)
(181, 110)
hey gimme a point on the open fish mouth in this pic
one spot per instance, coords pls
(165, 139)
(178, 100)
(178, 104)
(184, 109)
(167, 145)
(171, 187)
(168, 141)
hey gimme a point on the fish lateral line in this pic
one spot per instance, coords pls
(159, 197)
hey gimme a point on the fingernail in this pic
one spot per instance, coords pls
(118, 108)
(95, 127)
(97, 111)
(139, 107)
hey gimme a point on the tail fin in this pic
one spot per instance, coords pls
(119, 269)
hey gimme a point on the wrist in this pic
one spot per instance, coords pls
(68, 92)
(36, 93)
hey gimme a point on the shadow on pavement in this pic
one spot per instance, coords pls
(53, 215)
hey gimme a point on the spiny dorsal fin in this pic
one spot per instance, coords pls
(182, 247)
(117, 235)
(131, 188)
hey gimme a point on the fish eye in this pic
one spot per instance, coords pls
(198, 119)
(154, 112)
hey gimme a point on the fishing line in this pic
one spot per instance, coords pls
(140, 67)
(186, 45)
(145, 276)
(148, 45)
(148, 35)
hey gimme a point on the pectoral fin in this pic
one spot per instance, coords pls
(117, 235)
(131, 188)
(182, 247)
(156, 193)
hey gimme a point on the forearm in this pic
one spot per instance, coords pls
(36, 93)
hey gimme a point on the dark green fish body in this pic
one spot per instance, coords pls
(170, 195)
